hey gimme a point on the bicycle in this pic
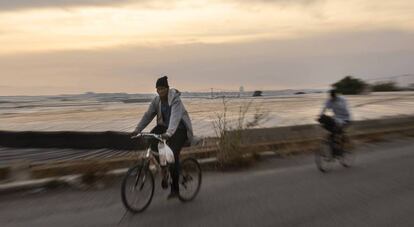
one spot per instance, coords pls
(337, 146)
(139, 179)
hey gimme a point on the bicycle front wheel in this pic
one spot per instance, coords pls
(190, 179)
(137, 189)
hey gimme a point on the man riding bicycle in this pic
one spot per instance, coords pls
(341, 117)
(339, 107)
(173, 123)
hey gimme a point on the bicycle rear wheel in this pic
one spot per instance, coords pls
(190, 179)
(324, 158)
(137, 189)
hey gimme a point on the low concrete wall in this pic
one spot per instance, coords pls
(282, 148)
(122, 141)
(68, 139)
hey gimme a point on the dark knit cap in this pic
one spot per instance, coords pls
(162, 82)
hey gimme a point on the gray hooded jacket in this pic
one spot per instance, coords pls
(339, 107)
(178, 113)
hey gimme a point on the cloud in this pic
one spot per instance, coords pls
(7, 5)
(301, 63)
(207, 21)
(257, 5)
(283, 2)
(185, 23)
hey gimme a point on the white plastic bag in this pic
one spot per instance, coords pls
(166, 154)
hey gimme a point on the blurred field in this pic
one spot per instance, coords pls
(117, 116)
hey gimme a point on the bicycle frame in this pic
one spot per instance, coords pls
(338, 138)
(149, 157)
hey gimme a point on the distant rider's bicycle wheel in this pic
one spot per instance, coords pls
(348, 156)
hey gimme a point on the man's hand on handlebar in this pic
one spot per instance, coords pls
(165, 136)
(135, 134)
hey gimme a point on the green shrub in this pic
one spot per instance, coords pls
(385, 86)
(350, 86)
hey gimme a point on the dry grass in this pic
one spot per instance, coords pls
(231, 153)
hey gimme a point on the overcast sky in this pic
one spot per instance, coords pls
(62, 46)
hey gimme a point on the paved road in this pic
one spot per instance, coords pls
(378, 191)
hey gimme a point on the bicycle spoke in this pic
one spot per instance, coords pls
(137, 178)
(143, 182)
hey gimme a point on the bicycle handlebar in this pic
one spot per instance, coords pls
(146, 134)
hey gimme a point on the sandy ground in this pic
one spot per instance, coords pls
(281, 111)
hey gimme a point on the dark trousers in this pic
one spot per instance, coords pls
(176, 143)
